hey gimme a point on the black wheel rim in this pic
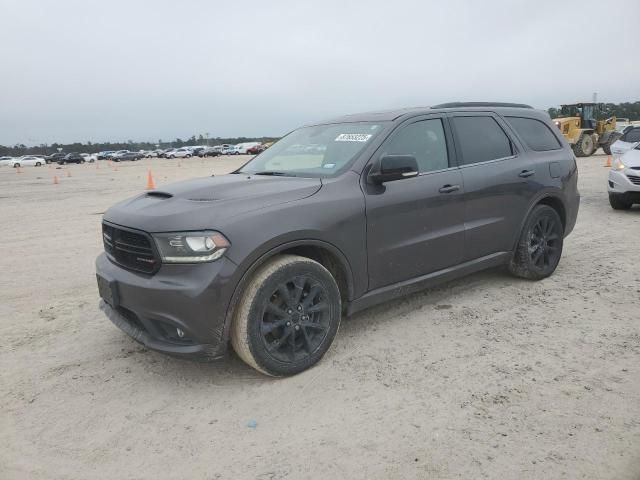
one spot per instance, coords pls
(296, 319)
(544, 243)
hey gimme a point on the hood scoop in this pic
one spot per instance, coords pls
(156, 194)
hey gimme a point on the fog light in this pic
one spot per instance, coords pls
(179, 332)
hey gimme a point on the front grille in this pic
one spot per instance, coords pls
(634, 179)
(131, 249)
(635, 168)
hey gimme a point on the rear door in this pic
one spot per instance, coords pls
(416, 225)
(499, 182)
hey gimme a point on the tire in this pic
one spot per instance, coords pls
(38, 164)
(540, 245)
(16, 165)
(606, 147)
(277, 333)
(619, 201)
(188, 156)
(585, 146)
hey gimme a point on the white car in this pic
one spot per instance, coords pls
(27, 161)
(6, 161)
(89, 157)
(624, 180)
(179, 153)
(629, 139)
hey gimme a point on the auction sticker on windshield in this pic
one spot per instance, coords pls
(353, 137)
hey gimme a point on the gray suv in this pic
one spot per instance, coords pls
(334, 218)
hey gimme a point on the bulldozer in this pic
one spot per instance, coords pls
(579, 124)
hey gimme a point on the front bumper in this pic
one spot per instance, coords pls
(151, 309)
(619, 182)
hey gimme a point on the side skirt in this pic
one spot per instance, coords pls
(389, 292)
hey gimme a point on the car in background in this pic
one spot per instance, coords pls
(28, 161)
(128, 156)
(195, 151)
(227, 149)
(241, 148)
(6, 161)
(73, 157)
(89, 157)
(105, 155)
(182, 152)
(629, 139)
(624, 180)
(209, 152)
(118, 154)
(256, 149)
(150, 153)
(55, 157)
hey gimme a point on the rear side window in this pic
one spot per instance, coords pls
(535, 134)
(481, 139)
(632, 136)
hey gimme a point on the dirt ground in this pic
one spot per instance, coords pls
(485, 377)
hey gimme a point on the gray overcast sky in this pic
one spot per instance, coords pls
(118, 70)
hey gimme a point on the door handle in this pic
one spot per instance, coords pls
(526, 173)
(449, 188)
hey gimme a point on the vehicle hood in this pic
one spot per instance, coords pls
(205, 203)
(631, 158)
(619, 147)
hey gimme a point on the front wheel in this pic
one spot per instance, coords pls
(38, 164)
(287, 317)
(619, 201)
(16, 165)
(584, 147)
(540, 245)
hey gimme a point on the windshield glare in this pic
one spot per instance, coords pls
(317, 151)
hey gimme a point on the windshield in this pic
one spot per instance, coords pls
(317, 151)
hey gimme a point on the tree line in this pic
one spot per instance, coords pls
(90, 147)
(630, 110)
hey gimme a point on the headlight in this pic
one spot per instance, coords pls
(618, 165)
(191, 247)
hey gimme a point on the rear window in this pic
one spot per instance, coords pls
(481, 139)
(632, 136)
(535, 134)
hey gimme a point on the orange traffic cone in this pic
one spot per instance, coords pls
(608, 164)
(150, 184)
(55, 180)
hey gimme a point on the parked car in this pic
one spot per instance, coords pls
(55, 157)
(105, 155)
(242, 148)
(116, 155)
(72, 158)
(6, 161)
(27, 161)
(228, 149)
(128, 156)
(209, 152)
(195, 151)
(179, 153)
(151, 154)
(256, 149)
(272, 255)
(629, 139)
(624, 180)
(89, 157)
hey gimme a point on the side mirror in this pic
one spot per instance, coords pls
(394, 167)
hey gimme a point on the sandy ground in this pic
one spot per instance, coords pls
(484, 377)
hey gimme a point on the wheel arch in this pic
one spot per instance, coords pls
(326, 254)
(551, 199)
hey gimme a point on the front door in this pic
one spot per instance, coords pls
(415, 226)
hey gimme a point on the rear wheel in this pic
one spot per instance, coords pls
(540, 246)
(16, 165)
(288, 316)
(585, 145)
(610, 141)
(619, 201)
(38, 164)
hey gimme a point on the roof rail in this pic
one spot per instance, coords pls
(481, 104)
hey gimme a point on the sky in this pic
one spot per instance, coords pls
(85, 70)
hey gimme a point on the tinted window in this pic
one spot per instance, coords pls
(481, 139)
(424, 140)
(535, 134)
(632, 136)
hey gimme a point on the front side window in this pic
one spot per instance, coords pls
(481, 139)
(535, 134)
(425, 141)
(316, 151)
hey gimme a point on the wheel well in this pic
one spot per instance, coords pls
(329, 261)
(558, 206)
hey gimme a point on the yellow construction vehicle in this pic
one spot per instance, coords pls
(581, 127)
